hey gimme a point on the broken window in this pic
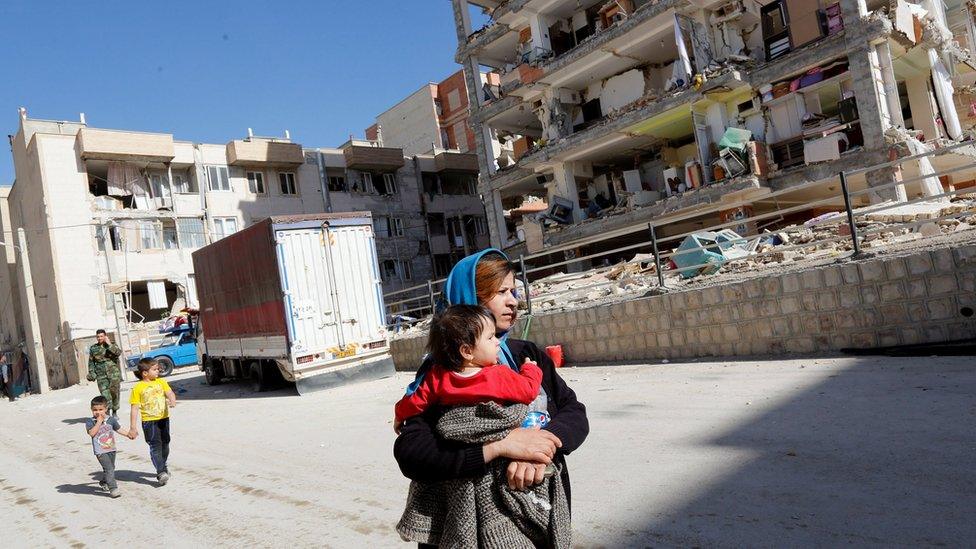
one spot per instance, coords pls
(255, 182)
(287, 182)
(337, 180)
(385, 185)
(364, 184)
(149, 300)
(190, 233)
(218, 178)
(458, 184)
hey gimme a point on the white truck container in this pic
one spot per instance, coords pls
(294, 296)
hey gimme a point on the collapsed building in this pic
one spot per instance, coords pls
(111, 217)
(693, 113)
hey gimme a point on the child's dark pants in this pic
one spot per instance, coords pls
(157, 436)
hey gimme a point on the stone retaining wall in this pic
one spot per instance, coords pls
(921, 297)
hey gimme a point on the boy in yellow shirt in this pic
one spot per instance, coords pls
(151, 399)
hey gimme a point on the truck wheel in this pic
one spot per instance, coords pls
(259, 379)
(213, 373)
(165, 366)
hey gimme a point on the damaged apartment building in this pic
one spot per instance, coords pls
(111, 218)
(691, 113)
(432, 125)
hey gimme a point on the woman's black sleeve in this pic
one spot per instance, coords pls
(423, 456)
(569, 423)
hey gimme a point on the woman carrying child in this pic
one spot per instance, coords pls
(524, 454)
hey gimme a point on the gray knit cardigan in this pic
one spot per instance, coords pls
(483, 511)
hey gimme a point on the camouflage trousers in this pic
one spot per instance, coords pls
(109, 387)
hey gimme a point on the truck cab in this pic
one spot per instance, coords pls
(180, 349)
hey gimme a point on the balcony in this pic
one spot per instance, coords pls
(361, 154)
(96, 144)
(264, 153)
(448, 161)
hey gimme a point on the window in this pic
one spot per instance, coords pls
(218, 178)
(255, 182)
(480, 226)
(381, 226)
(337, 183)
(287, 182)
(396, 226)
(182, 184)
(396, 269)
(389, 183)
(171, 239)
(389, 270)
(367, 184)
(149, 237)
(224, 226)
(160, 186)
(190, 233)
(108, 235)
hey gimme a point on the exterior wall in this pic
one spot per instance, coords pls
(894, 300)
(411, 124)
(453, 95)
(11, 329)
(27, 203)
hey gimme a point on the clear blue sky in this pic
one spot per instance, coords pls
(206, 71)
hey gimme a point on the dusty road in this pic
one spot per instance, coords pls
(868, 451)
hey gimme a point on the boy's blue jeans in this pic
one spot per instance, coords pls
(157, 436)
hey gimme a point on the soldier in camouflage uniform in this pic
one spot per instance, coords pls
(103, 367)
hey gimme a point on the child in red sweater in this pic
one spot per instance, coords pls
(466, 372)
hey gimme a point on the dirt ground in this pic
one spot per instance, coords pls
(811, 451)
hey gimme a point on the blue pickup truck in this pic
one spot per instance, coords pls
(179, 349)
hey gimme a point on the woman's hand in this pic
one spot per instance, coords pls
(533, 445)
(525, 474)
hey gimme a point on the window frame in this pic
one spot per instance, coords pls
(222, 222)
(337, 188)
(188, 238)
(390, 181)
(150, 227)
(256, 186)
(395, 226)
(217, 169)
(283, 178)
(187, 184)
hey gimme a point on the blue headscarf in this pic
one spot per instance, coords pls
(460, 289)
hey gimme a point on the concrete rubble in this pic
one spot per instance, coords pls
(822, 238)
